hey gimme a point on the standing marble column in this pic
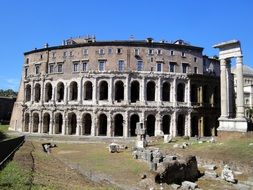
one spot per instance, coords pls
(239, 88)
(223, 89)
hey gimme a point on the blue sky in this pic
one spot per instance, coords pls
(29, 24)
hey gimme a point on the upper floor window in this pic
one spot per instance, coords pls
(75, 66)
(71, 54)
(37, 69)
(136, 51)
(139, 65)
(85, 51)
(64, 54)
(185, 67)
(159, 52)
(59, 68)
(101, 66)
(41, 56)
(110, 51)
(53, 55)
(51, 68)
(119, 50)
(84, 63)
(159, 67)
(183, 54)
(172, 52)
(121, 65)
(101, 51)
(150, 51)
(195, 70)
(172, 67)
(195, 59)
(27, 60)
(26, 71)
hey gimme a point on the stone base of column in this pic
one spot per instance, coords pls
(159, 133)
(233, 125)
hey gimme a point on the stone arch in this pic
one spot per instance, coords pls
(181, 125)
(58, 123)
(102, 125)
(151, 125)
(28, 92)
(118, 125)
(103, 90)
(135, 91)
(48, 92)
(166, 92)
(133, 120)
(72, 123)
(180, 92)
(27, 121)
(73, 91)
(86, 124)
(46, 123)
(37, 90)
(150, 90)
(60, 92)
(119, 91)
(166, 124)
(88, 90)
(207, 128)
(36, 121)
(194, 126)
(194, 93)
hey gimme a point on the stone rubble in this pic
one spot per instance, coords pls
(228, 175)
(189, 185)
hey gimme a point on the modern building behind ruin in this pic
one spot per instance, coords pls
(103, 88)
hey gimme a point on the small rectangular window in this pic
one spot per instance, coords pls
(27, 60)
(85, 51)
(41, 56)
(26, 72)
(110, 51)
(171, 52)
(64, 54)
(119, 50)
(139, 65)
(53, 55)
(183, 54)
(51, 68)
(70, 54)
(172, 67)
(101, 66)
(121, 65)
(196, 70)
(185, 67)
(159, 67)
(84, 65)
(59, 68)
(150, 51)
(37, 69)
(195, 59)
(75, 66)
(101, 51)
(136, 51)
(159, 52)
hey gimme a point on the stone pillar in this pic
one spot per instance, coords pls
(42, 92)
(126, 125)
(51, 123)
(110, 91)
(188, 125)
(127, 90)
(173, 92)
(30, 123)
(78, 126)
(158, 127)
(201, 126)
(80, 91)
(158, 91)
(239, 88)
(94, 93)
(143, 96)
(188, 93)
(94, 123)
(109, 126)
(223, 89)
(173, 128)
(64, 124)
(66, 94)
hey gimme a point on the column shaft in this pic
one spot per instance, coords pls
(239, 88)
(223, 89)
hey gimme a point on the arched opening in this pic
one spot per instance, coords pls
(28, 93)
(133, 120)
(118, 125)
(87, 90)
(180, 92)
(46, 123)
(72, 124)
(103, 90)
(73, 91)
(180, 125)
(58, 123)
(119, 91)
(166, 92)
(48, 92)
(150, 91)
(150, 125)
(166, 124)
(60, 92)
(135, 91)
(205, 94)
(37, 92)
(194, 126)
(194, 94)
(36, 121)
(207, 128)
(27, 121)
(86, 124)
(102, 125)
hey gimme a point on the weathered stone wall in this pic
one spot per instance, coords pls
(6, 106)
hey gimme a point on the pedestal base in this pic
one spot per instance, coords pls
(233, 125)
(159, 133)
(141, 144)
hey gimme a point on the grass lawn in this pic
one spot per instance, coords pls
(3, 132)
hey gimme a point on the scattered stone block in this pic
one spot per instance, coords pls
(189, 185)
(152, 166)
(241, 186)
(228, 175)
(250, 144)
(210, 167)
(175, 145)
(167, 138)
(211, 174)
(113, 147)
(175, 186)
(169, 158)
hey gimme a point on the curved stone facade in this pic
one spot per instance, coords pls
(104, 88)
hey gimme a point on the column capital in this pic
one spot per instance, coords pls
(239, 59)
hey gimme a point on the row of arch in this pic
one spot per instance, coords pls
(103, 93)
(32, 124)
